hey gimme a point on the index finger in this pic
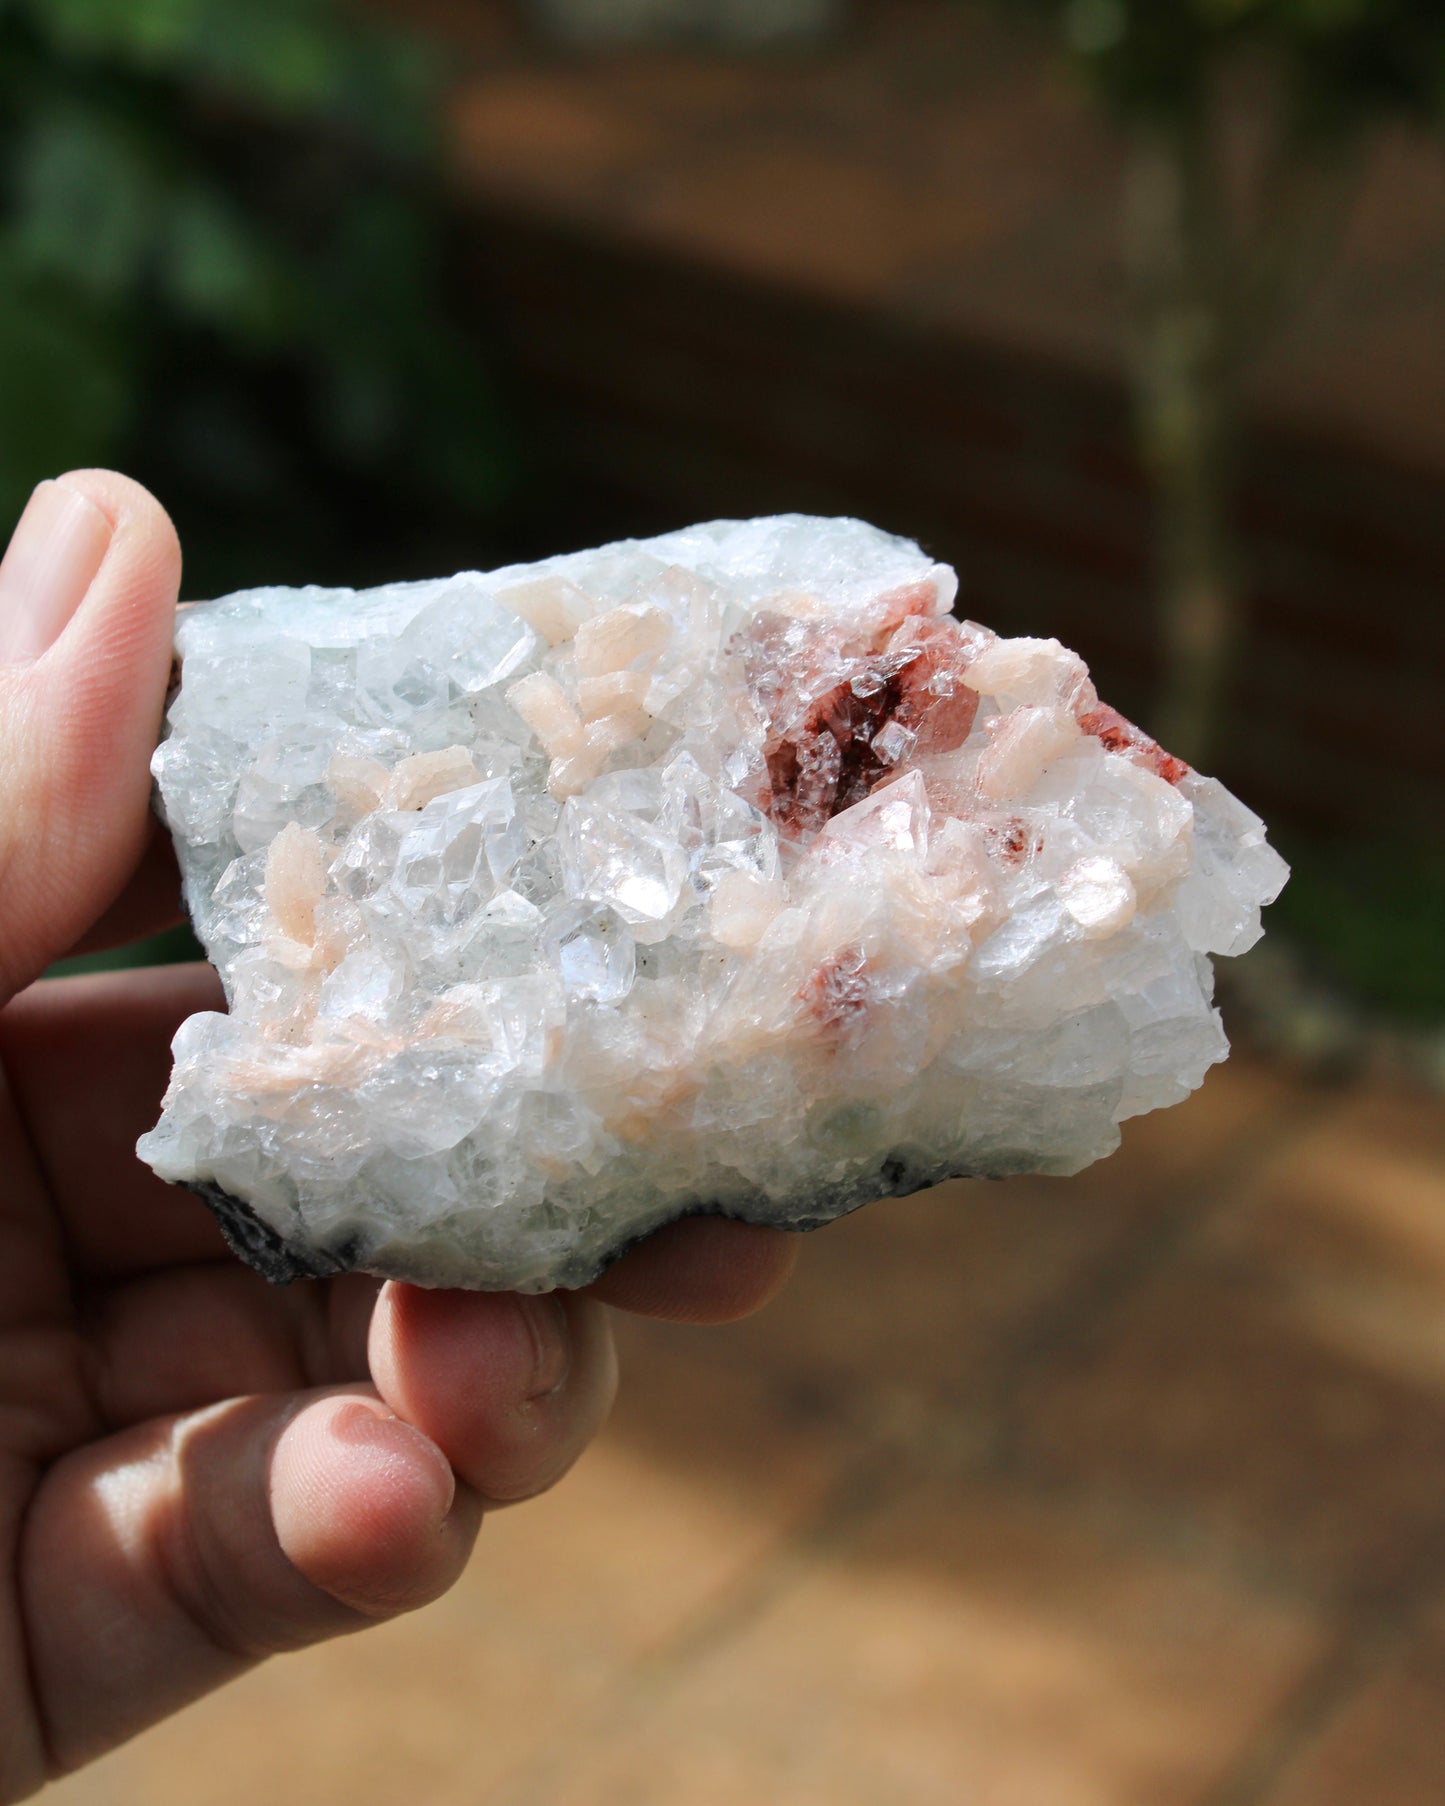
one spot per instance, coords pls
(88, 1060)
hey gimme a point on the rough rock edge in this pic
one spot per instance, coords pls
(279, 1261)
(261, 1246)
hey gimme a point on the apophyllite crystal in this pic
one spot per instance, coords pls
(718, 872)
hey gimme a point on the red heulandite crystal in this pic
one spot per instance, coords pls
(837, 993)
(1118, 734)
(843, 715)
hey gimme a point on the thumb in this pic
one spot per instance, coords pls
(163, 1561)
(87, 596)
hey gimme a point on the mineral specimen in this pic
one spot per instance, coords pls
(720, 872)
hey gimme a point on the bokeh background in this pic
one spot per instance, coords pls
(1127, 1490)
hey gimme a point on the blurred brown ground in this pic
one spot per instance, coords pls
(1125, 1490)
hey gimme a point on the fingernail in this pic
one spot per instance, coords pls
(546, 1323)
(54, 553)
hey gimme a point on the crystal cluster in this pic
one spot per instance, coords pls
(725, 871)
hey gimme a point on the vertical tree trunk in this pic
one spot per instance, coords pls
(1185, 404)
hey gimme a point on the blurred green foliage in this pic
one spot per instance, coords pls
(1342, 63)
(221, 255)
(176, 946)
(1372, 922)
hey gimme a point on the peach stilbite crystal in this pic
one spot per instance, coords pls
(724, 871)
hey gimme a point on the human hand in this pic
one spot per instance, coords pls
(196, 1470)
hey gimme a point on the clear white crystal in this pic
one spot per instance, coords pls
(723, 871)
(594, 950)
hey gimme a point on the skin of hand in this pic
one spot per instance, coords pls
(197, 1470)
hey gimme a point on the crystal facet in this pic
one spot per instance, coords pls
(723, 872)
